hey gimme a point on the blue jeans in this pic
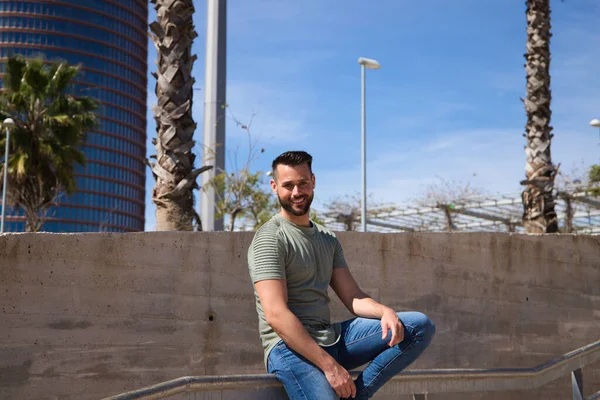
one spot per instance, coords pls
(360, 343)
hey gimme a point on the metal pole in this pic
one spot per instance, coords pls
(363, 212)
(214, 110)
(577, 384)
(5, 179)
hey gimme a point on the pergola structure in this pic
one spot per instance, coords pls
(578, 212)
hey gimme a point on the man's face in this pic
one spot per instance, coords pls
(294, 187)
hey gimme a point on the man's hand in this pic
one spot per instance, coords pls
(340, 380)
(390, 321)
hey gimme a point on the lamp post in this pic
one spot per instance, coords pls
(364, 64)
(215, 92)
(8, 123)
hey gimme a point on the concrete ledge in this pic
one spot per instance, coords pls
(407, 383)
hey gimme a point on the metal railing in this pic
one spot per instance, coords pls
(413, 382)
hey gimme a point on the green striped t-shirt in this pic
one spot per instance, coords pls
(305, 257)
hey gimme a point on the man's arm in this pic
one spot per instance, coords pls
(362, 305)
(273, 298)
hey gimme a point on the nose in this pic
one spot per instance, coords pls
(296, 190)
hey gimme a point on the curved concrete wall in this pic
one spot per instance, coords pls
(88, 315)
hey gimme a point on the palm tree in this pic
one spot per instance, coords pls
(49, 125)
(539, 215)
(173, 34)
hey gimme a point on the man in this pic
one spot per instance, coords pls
(292, 261)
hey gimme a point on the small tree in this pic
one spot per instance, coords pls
(316, 217)
(245, 194)
(580, 180)
(444, 191)
(50, 124)
(244, 197)
(346, 209)
(594, 174)
(566, 185)
(447, 195)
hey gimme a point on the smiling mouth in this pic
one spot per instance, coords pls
(299, 202)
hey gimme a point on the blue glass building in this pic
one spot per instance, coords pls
(109, 38)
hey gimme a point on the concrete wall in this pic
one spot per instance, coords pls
(88, 315)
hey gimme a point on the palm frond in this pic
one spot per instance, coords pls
(63, 77)
(50, 125)
(15, 67)
(36, 78)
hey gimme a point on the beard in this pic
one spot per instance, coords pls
(297, 210)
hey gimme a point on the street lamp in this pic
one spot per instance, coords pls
(596, 124)
(8, 123)
(364, 64)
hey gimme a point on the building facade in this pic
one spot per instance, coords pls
(109, 39)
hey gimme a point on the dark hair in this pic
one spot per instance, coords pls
(292, 158)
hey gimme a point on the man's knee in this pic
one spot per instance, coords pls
(422, 325)
(428, 329)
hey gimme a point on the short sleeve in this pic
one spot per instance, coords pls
(339, 261)
(266, 255)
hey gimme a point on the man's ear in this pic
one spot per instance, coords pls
(314, 181)
(273, 186)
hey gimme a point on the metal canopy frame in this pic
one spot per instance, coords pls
(500, 213)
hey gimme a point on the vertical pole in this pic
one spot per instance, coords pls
(5, 179)
(213, 151)
(568, 212)
(363, 213)
(577, 384)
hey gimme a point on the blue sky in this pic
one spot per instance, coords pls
(444, 105)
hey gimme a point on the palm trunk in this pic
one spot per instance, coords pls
(34, 202)
(538, 200)
(173, 34)
(32, 223)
